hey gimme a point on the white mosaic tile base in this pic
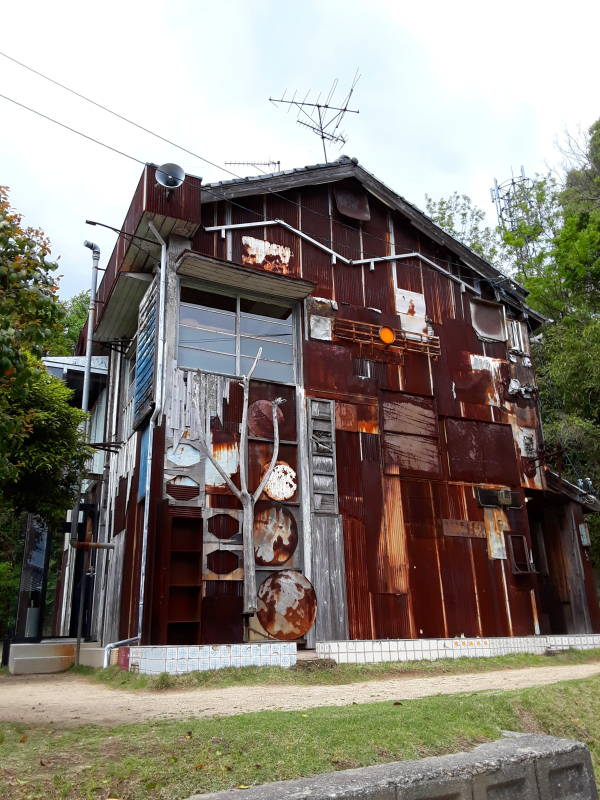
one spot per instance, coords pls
(373, 651)
(177, 660)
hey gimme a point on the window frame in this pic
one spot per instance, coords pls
(237, 335)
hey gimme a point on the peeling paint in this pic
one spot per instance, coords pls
(268, 255)
(282, 484)
(275, 536)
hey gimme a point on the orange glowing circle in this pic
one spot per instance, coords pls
(387, 335)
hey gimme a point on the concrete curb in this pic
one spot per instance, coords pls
(518, 767)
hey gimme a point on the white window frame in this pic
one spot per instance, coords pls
(237, 334)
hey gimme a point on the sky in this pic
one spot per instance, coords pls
(451, 96)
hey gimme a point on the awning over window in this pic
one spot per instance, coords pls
(238, 278)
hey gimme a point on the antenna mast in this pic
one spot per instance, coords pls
(325, 118)
(512, 199)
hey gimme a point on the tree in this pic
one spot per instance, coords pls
(64, 340)
(29, 314)
(464, 221)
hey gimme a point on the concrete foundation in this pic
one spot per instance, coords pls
(519, 767)
(51, 655)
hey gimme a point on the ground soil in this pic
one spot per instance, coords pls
(74, 700)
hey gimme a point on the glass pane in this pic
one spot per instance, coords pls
(269, 370)
(196, 315)
(271, 350)
(211, 340)
(208, 299)
(264, 309)
(261, 326)
(209, 362)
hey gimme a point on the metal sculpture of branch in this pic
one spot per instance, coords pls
(247, 499)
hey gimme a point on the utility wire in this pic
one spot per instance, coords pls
(212, 191)
(73, 130)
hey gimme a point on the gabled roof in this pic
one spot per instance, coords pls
(346, 167)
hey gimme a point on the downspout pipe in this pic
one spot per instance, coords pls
(156, 414)
(85, 402)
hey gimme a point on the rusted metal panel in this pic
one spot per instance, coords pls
(260, 419)
(463, 527)
(460, 603)
(392, 554)
(481, 452)
(496, 523)
(267, 255)
(275, 536)
(488, 320)
(287, 605)
(315, 221)
(358, 418)
(379, 282)
(391, 614)
(405, 413)
(357, 581)
(410, 455)
(329, 577)
(351, 200)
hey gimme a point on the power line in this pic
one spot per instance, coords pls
(73, 130)
(115, 114)
(212, 191)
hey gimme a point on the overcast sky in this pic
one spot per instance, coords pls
(452, 95)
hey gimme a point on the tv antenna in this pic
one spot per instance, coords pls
(516, 214)
(258, 164)
(322, 118)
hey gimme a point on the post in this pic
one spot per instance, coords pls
(85, 401)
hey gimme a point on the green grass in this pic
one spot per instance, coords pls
(160, 760)
(327, 672)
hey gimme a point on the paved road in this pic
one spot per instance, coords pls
(73, 700)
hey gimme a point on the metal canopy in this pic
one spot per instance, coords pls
(225, 273)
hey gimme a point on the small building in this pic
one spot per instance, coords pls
(405, 491)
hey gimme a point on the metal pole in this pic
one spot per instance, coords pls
(85, 399)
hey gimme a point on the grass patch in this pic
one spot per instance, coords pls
(160, 760)
(326, 672)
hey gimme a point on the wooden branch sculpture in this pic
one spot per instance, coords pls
(247, 499)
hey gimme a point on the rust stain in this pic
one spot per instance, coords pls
(227, 454)
(287, 605)
(268, 255)
(275, 536)
(356, 418)
(260, 419)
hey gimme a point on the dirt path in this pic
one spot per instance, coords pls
(73, 700)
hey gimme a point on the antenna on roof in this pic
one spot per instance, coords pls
(254, 164)
(516, 214)
(322, 118)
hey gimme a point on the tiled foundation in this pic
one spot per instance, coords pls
(377, 651)
(177, 660)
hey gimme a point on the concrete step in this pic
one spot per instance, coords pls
(42, 657)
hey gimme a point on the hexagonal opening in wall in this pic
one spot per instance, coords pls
(222, 562)
(223, 526)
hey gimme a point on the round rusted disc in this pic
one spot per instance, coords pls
(282, 484)
(260, 419)
(275, 536)
(287, 604)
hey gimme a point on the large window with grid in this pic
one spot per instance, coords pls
(222, 333)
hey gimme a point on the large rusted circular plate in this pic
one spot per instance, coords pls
(287, 605)
(282, 484)
(275, 536)
(260, 419)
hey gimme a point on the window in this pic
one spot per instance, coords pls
(223, 333)
(520, 557)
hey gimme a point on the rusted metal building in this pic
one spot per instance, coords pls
(410, 497)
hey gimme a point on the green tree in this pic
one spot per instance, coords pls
(29, 314)
(463, 220)
(63, 341)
